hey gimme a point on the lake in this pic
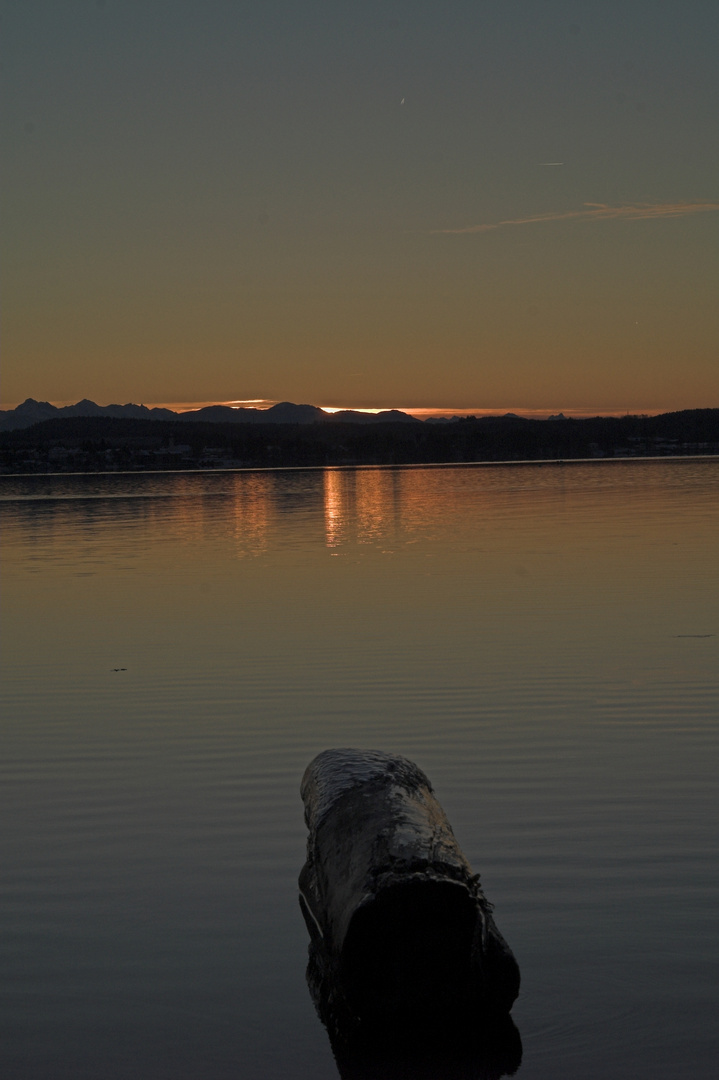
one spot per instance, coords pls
(542, 639)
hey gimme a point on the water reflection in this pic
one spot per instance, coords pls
(251, 512)
(453, 1048)
(336, 507)
(363, 505)
(536, 640)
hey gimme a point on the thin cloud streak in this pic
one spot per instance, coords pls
(596, 212)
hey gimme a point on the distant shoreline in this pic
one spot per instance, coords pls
(534, 463)
(98, 444)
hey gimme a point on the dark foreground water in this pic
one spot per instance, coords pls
(542, 640)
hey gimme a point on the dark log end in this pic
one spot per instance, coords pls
(409, 949)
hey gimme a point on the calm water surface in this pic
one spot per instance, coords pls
(542, 640)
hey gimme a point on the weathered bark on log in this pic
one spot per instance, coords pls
(398, 922)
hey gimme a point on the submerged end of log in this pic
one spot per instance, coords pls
(398, 921)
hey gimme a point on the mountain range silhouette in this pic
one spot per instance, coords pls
(285, 412)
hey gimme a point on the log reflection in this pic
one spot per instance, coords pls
(462, 1046)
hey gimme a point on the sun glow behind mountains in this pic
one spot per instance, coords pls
(421, 412)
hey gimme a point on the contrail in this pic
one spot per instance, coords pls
(597, 212)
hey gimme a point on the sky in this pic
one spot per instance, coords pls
(455, 205)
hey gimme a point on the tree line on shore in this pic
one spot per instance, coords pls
(83, 444)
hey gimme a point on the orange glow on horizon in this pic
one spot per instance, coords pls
(421, 412)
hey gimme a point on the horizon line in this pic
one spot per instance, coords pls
(422, 412)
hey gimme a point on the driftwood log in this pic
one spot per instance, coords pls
(399, 925)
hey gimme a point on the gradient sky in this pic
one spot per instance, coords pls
(357, 204)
